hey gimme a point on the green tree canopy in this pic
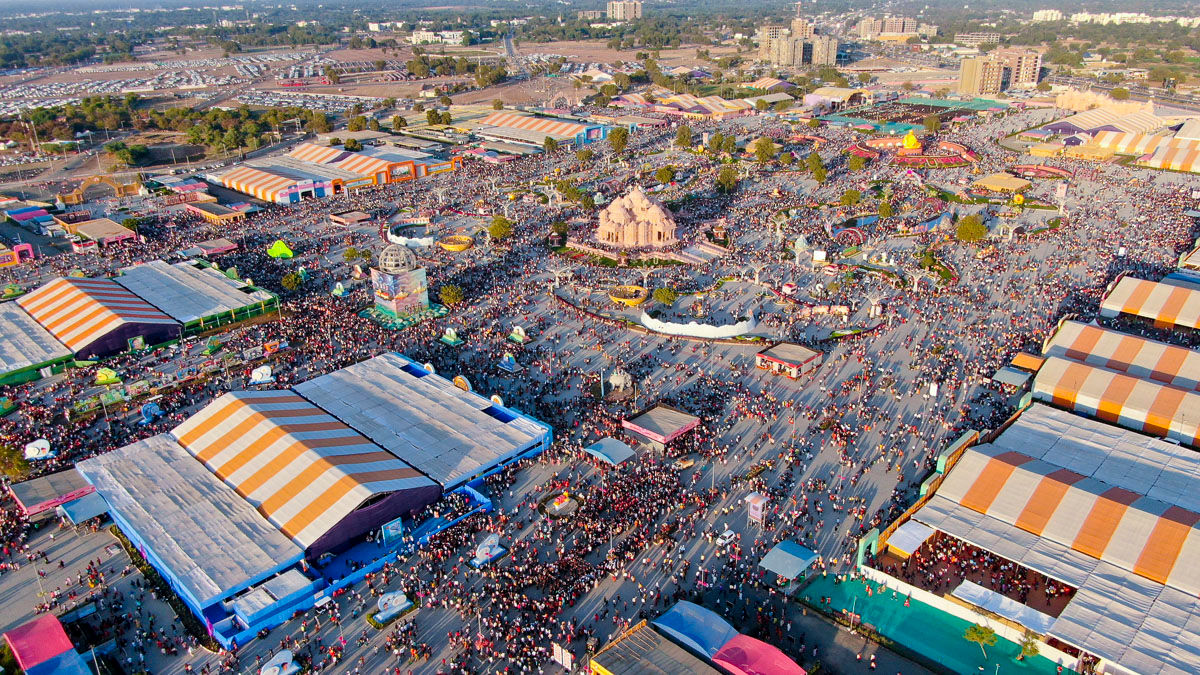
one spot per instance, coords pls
(501, 227)
(665, 295)
(971, 229)
(618, 139)
(451, 295)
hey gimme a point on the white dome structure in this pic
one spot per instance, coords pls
(396, 259)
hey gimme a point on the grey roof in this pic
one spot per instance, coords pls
(186, 291)
(23, 341)
(298, 169)
(643, 651)
(271, 591)
(790, 352)
(788, 559)
(663, 420)
(610, 450)
(421, 418)
(1011, 376)
(210, 537)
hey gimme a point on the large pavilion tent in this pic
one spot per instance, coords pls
(1107, 511)
(1174, 157)
(449, 434)
(1126, 143)
(96, 317)
(206, 539)
(44, 493)
(744, 655)
(1166, 304)
(699, 628)
(190, 292)
(25, 345)
(1126, 353)
(1097, 120)
(1002, 182)
(1138, 404)
(303, 469)
(265, 185)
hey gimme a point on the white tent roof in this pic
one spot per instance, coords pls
(186, 291)
(448, 434)
(1130, 354)
(1108, 511)
(209, 536)
(23, 341)
(909, 536)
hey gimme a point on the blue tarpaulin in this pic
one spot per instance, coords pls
(788, 559)
(696, 627)
(84, 508)
(66, 663)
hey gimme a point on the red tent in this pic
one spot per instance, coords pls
(38, 641)
(743, 655)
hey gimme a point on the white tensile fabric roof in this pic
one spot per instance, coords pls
(1140, 404)
(207, 534)
(663, 420)
(299, 466)
(187, 292)
(1126, 353)
(421, 418)
(1108, 511)
(23, 341)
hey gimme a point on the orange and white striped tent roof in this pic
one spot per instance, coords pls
(545, 125)
(261, 184)
(1111, 512)
(1126, 353)
(80, 311)
(364, 165)
(299, 466)
(1182, 157)
(1127, 143)
(1134, 403)
(1171, 304)
(318, 154)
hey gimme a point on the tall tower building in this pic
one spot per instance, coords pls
(1024, 66)
(624, 10)
(802, 28)
(981, 76)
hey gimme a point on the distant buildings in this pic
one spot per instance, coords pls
(892, 28)
(624, 10)
(1024, 66)
(1044, 15)
(981, 76)
(797, 45)
(976, 39)
(449, 37)
(1118, 18)
(591, 14)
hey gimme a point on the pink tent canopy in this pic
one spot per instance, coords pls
(743, 655)
(38, 641)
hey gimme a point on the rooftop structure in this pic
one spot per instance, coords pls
(1105, 119)
(96, 317)
(1123, 352)
(191, 292)
(449, 434)
(788, 358)
(1110, 512)
(1166, 304)
(636, 220)
(661, 424)
(25, 346)
(643, 650)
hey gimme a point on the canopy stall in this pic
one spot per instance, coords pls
(788, 559)
(973, 593)
(701, 629)
(744, 655)
(908, 538)
(611, 451)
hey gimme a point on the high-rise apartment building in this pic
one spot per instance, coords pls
(1024, 66)
(802, 28)
(788, 50)
(981, 76)
(891, 28)
(624, 10)
(1047, 15)
(976, 39)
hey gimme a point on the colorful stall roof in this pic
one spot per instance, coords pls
(1126, 353)
(79, 312)
(1168, 304)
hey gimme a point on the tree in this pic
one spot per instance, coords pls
(727, 179)
(980, 635)
(814, 123)
(764, 150)
(350, 254)
(334, 140)
(885, 210)
(373, 124)
(664, 175)
(497, 105)
(932, 123)
(445, 100)
(761, 105)
(353, 145)
(683, 137)
(549, 145)
(1119, 93)
(971, 229)
(908, 86)
(1029, 646)
(559, 227)
(851, 197)
(855, 163)
(451, 295)
(618, 139)
(291, 281)
(787, 159)
(585, 155)
(398, 122)
(817, 167)
(432, 117)
(665, 296)
(445, 118)
(1044, 85)
(864, 78)
(12, 461)
(501, 227)
(715, 141)
(588, 202)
